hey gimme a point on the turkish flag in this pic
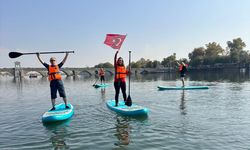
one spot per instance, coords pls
(114, 40)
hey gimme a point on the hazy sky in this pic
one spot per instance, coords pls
(155, 28)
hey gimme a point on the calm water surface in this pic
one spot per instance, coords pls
(217, 118)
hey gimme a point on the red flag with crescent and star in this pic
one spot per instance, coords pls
(114, 40)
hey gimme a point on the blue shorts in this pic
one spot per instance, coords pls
(57, 85)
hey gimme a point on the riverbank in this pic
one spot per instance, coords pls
(68, 71)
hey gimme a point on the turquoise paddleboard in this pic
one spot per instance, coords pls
(59, 114)
(182, 88)
(134, 110)
(101, 85)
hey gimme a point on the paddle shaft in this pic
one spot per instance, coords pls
(96, 81)
(48, 52)
(18, 54)
(129, 73)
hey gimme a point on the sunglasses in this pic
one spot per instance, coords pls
(52, 60)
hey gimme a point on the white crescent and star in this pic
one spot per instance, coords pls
(116, 41)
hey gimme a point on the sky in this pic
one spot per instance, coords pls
(155, 28)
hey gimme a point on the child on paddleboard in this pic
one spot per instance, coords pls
(182, 70)
(120, 78)
(55, 79)
(102, 74)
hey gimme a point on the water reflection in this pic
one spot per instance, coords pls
(123, 130)
(58, 133)
(183, 103)
(19, 85)
(210, 76)
(103, 90)
(76, 77)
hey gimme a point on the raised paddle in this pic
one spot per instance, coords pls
(18, 54)
(129, 100)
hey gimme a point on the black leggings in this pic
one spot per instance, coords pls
(119, 85)
(102, 79)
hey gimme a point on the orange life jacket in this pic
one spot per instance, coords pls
(121, 72)
(183, 68)
(54, 73)
(180, 67)
(101, 73)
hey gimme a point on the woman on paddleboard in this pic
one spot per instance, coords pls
(102, 74)
(120, 78)
(182, 70)
(55, 79)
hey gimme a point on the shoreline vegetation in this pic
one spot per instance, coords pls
(210, 57)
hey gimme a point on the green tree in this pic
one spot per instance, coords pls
(197, 52)
(142, 63)
(149, 64)
(213, 50)
(197, 56)
(135, 65)
(156, 64)
(169, 61)
(145, 63)
(183, 60)
(244, 57)
(104, 65)
(222, 59)
(236, 49)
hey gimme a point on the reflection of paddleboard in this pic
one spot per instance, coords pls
(182, 87)
(101, 85)
(134, 110)
(59, 114)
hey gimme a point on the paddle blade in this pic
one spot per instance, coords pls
(128, 101)
(15, 54)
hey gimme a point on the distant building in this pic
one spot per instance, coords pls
(17, 64)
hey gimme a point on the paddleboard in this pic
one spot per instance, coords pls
(101, 85)
(182, 87)
(134, 110)
(60, 113)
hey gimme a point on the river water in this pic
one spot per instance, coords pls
(217, 118)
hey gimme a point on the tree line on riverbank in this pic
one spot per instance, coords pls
(209, 55)
(213, 54)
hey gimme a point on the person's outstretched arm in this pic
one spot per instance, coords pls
(115, 58)
(65, 58)
(39, 58)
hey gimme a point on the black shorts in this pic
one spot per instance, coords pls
(57, 85)
(182, 75)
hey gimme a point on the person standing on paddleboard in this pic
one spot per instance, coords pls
(102, 74)
(182, 70)
(120, 78)
(55, 79)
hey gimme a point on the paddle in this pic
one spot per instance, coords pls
(129, 100)
(96, 81)
(18, 54)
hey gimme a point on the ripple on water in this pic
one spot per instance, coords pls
(217, 118)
